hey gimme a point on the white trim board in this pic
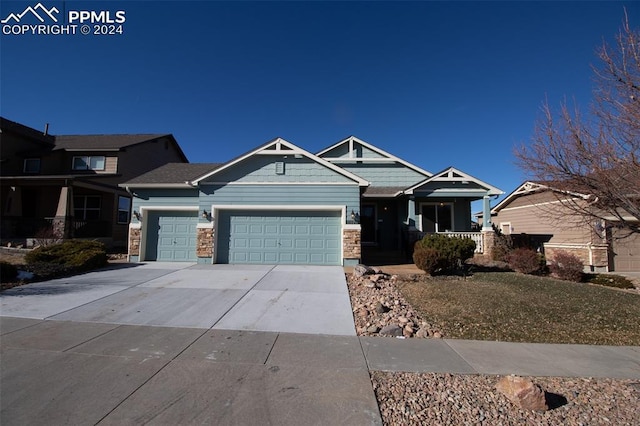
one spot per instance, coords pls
(351, 139)
(289, 149)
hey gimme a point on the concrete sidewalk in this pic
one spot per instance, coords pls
(61, 372)
(502, 358)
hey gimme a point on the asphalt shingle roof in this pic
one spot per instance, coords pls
(174, 173)
(102, 141)
(388, 191)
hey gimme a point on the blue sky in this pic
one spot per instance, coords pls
(435, 83)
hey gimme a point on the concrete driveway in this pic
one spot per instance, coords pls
(283, 298)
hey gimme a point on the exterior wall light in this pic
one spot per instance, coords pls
(206, 215)
(137, 215)
(355, 217)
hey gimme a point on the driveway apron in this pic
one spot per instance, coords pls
(291, 299)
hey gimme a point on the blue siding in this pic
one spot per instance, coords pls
(287, 195)
(164, 197)
(385, 174)
(262, 168)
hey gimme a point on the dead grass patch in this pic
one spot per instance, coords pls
(512, 307)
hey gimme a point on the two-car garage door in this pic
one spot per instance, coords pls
(279, 237)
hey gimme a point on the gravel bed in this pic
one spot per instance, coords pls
(378, 305)
(447, 399)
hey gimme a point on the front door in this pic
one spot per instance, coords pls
(368, 224)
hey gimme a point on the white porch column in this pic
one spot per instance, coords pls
(411, 213)
(13, 207)
(62, 223)
(486, 213)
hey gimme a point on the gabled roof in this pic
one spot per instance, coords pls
(110, 142)
(171, 174)
(280, 146)
(25, 131)
(451, 174)
(530, 187)
(385, 156)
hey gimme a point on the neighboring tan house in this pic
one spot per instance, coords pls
(536, 209)
(67, 186)
(281, 204)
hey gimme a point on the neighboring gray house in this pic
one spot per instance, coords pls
(281, 204)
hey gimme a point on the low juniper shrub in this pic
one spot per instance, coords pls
(76, 255)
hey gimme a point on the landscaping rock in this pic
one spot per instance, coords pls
(422, 333)
(471, 399)
(377, 277)
(362, 270)
(523, 392)
(391, 330)
(381, 309)
(378, 304)
(374, 329)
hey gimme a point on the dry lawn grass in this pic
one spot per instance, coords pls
(512, 307)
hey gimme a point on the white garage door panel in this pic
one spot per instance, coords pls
(172, 236)
(292, 237)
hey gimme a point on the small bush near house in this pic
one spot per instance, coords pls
(503, 245)
(46, 237)
(74, 255)
(450, 252)
(8, 272)
(427, 259)
(566, 266)
(525, 261)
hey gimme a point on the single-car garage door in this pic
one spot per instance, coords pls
(280, 237)
(171, 236)
(627, 254)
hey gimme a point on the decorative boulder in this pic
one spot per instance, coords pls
(523, 393)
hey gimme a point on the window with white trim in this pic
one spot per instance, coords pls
(437, 217)
(86, 207)
(31, 165)
(124, 209)
(85, 162)
(505, 227)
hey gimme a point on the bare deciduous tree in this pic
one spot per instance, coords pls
(594, 159)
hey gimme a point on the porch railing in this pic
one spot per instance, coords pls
(21, 227)
(475, 236)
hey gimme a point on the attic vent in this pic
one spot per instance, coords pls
(279, 167)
